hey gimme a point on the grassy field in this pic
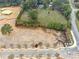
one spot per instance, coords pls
(46, 16)
(53, 16)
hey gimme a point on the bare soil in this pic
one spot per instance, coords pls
(28, 37)
(15, 12)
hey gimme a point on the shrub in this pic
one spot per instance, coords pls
(62, 7)
(56, 26)
(6, 29)
(66, 10)
(77, 14)
(33, 14)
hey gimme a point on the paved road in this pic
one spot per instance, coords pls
(73, 22)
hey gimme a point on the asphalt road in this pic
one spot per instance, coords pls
(73, 22)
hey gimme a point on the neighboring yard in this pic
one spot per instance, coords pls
(53, 16)
(47, 16)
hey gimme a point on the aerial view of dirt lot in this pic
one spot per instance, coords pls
(39, 29)
(32, 38)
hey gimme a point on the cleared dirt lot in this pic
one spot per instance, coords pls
(33, 38)
(28, 37)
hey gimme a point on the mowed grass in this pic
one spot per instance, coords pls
(46, 16)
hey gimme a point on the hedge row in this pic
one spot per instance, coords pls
(56, 26)
(52, 25)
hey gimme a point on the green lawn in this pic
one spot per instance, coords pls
(53, 16)
(44, 17)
